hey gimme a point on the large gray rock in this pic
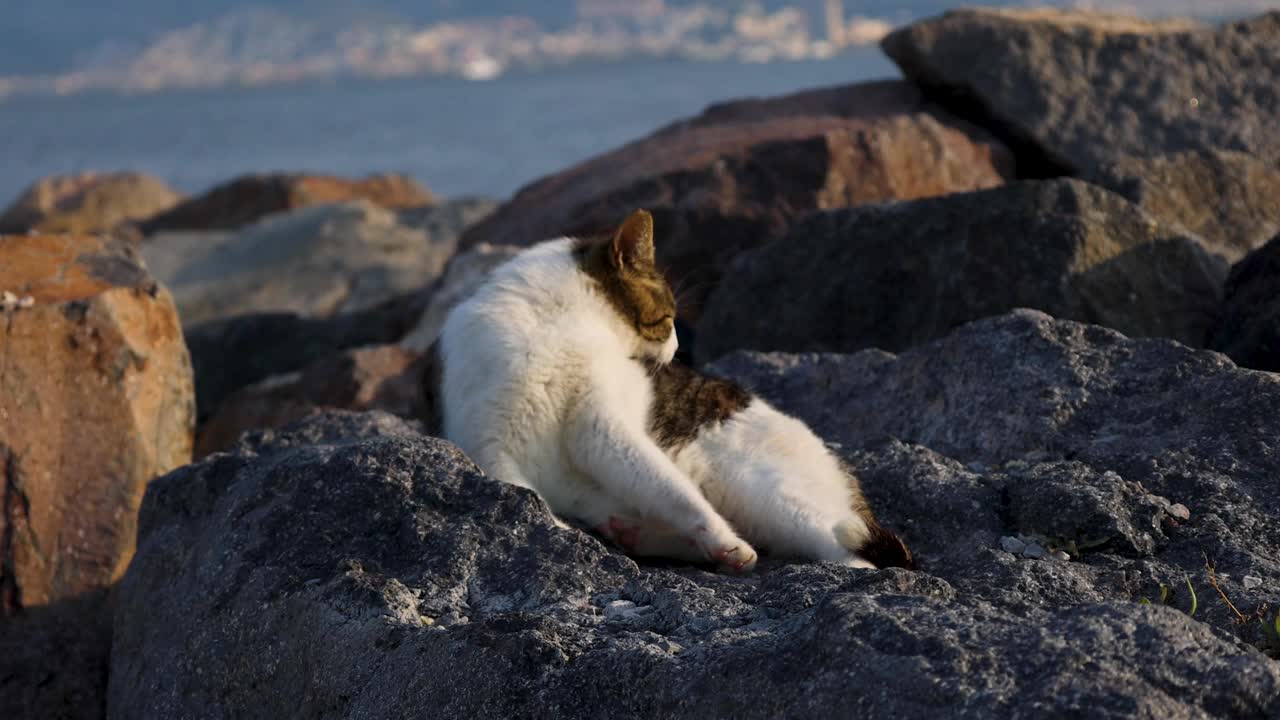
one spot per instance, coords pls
(1248, 328)
(316, 261)
(349, 567)
(1074, 90)
(1231, 200)
(1068, 433)
(893, 276)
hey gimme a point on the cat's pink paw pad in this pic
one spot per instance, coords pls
(625, 533)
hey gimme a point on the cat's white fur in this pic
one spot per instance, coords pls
(541, 387)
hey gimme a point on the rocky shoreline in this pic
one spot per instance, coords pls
(1001, 287)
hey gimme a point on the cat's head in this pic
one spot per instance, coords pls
(627, 276)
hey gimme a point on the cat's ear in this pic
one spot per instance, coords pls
(632, 245)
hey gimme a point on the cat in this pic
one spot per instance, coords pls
(548, 377)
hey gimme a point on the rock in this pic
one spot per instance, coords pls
(1251, 582)
(1060, 556)
(1072, 91)
(384, 377)
(232, 353)
(95, 401)
(1178, 511)
(1248, 325)
(462, 275)
(910, 272)
(1012, 544)
(87, 203)
(1229, 199)
(1034, 551)
(54, 658)
(1074, 505)
(318, 261)
(740, 173)
(350, 567)
(1104, 426)
(248, 199)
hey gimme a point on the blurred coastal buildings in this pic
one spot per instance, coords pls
(262, 47)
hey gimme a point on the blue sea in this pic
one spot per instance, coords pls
(456, 136)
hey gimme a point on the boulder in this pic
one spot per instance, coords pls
(1248, 327)
(87, 203)
(232, 353)
(317, 261)
(464, 273)
(248, 199)
(1231, 200)
(348, 566)
(1143, 459)
(740, 173)
(95, 401)
(382, 377)
(1073, 90)
(892, 276)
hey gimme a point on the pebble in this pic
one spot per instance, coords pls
(1179, 511)
(1035, 551)
(1012, 544)
(618, 607)
(626, 612)
(8, 300)
(1251, 582)
(1061, 556)
(669, 646)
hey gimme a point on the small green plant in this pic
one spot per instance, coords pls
(1167, 595)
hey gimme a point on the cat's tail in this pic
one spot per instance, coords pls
(874, 543)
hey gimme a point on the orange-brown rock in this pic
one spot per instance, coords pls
(249, 198)
(96, 400)
(737, 175)
(87, 203)
(380, 377)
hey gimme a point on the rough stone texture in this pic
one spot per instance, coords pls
(384, 377)
(316, 261)
(1075, 90)
(349, 567)
(1022, 424)
(1248, 328)
(892, 276)
(53, 660)
(464, 273)
(95, 401)
(1229, 199)
(87, 203)
(231, 353)
(248, 199)
(738, 174)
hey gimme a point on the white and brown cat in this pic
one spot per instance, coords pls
(556, 375)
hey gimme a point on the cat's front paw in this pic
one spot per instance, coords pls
(729, 552)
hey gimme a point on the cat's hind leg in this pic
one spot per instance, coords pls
(632, 468)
